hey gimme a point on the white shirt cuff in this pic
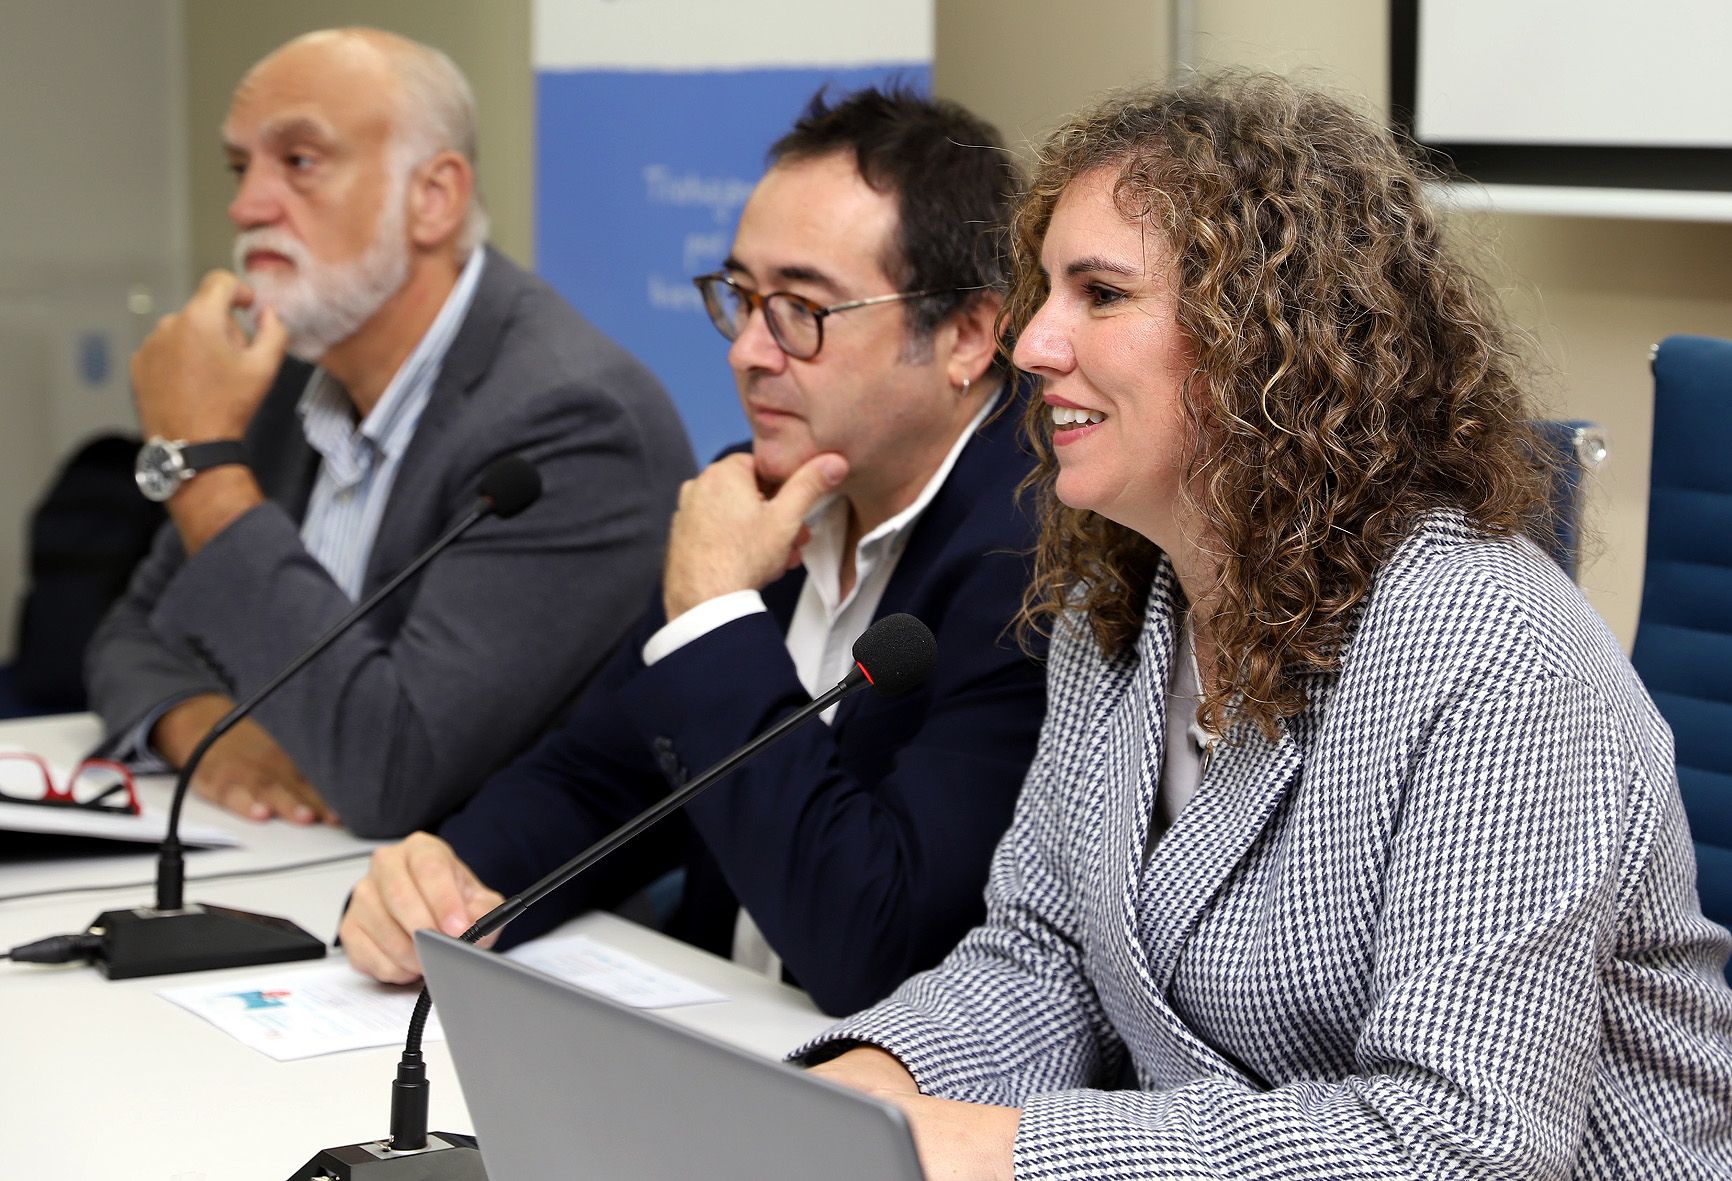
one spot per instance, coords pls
(701, 620)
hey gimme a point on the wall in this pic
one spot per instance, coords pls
(489, 42)
(1025, 64)
(1591, 294)
(92, 231)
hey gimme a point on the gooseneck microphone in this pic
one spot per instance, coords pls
(894, 656)
(508, 486)
(174, 937)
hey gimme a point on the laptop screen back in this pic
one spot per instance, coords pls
(562, 1082)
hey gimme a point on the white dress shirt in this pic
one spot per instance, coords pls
(825, 623)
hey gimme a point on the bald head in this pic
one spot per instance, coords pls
(412, 92)
(354, 199)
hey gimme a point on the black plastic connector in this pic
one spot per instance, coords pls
(57, 949)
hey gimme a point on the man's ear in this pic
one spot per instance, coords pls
(974, 339)
(439, 196)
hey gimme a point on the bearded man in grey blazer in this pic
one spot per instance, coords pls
(393, 357)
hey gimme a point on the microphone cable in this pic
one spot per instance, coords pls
(258, 871)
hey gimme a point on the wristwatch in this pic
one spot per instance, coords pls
(163, 465)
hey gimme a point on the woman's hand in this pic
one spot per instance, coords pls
(959, 1141)
(869, 1069)
(956, 1141)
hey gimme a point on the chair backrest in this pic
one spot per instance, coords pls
(87, 533)
(1684, 634)
(1575, 450)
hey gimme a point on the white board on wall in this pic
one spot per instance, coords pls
(1588, 72)
(737, 34)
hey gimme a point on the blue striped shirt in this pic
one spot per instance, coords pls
(360, 459)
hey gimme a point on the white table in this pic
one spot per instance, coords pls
(104, 1079)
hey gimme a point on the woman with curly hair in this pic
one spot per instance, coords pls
(1353, 846)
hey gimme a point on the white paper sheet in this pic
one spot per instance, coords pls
(592, 964)
(303, 1011)
(146, 829)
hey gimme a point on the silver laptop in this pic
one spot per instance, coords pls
(564, 1083)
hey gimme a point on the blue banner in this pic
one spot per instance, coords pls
(640, 177)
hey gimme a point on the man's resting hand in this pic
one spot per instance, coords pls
(245, 771)
(416, 884)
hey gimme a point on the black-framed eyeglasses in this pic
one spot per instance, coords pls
(796, 323)
(99, 784)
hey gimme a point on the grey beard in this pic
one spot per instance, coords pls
(346, 298)
(331, 301)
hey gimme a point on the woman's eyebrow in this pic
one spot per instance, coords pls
(1096, 262)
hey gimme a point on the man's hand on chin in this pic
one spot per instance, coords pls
(197, 378)
(728, 536)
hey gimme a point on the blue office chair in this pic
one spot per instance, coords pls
(1684, 634)
(1575, 451)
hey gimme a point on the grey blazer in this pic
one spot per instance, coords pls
(403, 718)
(1445, 927)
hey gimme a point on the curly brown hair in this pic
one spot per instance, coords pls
(1350, 375)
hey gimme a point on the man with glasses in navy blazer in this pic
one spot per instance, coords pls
(860, 300)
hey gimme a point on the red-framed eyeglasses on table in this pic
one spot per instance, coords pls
(101, 785)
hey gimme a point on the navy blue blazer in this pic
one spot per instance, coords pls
(860, 848)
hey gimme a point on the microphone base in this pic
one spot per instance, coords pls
(447, 1157)
(147, 942)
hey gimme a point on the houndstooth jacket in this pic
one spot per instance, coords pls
(1445, 926)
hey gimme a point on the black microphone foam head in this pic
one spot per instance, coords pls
(896, 654)
(509, 485)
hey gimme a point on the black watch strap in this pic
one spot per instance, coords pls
(200, 457)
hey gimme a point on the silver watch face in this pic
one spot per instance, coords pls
(160, 470)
